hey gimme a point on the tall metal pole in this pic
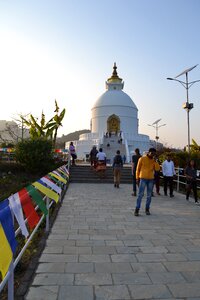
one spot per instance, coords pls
(188, 106)
(188, 112)
(157, 136)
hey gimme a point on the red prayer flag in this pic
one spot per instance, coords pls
(28, 208)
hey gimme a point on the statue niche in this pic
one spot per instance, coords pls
(113, 124)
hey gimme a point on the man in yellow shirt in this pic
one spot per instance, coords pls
(145, 175)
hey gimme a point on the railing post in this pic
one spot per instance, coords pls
(47, 216)
(11, 282)
(68, 162)
(178, 180)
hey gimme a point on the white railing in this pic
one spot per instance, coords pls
(9, 277)
(180, 179)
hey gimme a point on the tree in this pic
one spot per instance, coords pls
(42, 129)
(195, 148)
(53, 124)
(36, 130)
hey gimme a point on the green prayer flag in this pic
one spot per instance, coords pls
(33, 192)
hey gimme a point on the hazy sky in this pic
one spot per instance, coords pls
(65, 50)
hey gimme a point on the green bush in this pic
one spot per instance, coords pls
(181, 158)
(35, 155)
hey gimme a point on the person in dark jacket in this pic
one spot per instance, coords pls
(117, 167)
(93, 157)
(191, 180)
(135, 159)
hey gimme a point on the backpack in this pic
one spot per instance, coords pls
(118, 160)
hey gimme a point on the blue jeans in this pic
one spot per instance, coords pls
(145, 183)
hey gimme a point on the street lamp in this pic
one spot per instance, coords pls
(187, 106)
(156, 126)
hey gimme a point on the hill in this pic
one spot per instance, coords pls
(73, 136)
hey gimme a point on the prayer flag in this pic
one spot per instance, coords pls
(49, 193)
(57, 173)
(36, 196)
(5, 253)
(7, 224)
(16, 208)
(58, 177)
(52, 185)
(59, 183)
(64, 174)
(28, 208)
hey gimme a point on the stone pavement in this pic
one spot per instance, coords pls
(98, 250)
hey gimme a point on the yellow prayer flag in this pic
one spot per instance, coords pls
(64, 173)
(58, 177)
(5, 253)
(45, 190)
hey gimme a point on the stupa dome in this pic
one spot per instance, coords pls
(114, 96)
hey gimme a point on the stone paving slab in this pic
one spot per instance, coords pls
(98, 249)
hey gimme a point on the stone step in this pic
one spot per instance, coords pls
(86, 174)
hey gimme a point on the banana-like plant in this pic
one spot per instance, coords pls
(54, 123)
(194, 146)
(43, 129)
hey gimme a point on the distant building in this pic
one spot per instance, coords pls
(114, 121)
(10, 132)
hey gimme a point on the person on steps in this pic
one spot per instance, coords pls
(117, 167)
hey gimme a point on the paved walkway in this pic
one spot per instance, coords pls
(98, 250)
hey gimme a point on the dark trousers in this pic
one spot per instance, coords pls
(168, 180)
(157, 182)
(134, 184)
(191, 186)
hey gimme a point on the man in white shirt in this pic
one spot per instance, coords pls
(101, 163)
(168, 174)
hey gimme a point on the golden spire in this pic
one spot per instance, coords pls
(114, 78)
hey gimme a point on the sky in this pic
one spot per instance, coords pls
(65, 50)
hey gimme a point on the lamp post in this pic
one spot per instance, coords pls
(187, 106)
(156, 126)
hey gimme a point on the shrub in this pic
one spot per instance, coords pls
(35, 155)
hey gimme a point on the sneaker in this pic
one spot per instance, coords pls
(166, 194)
(158, 193)
(115, 185)
(136, 212)
(133, 194)
(147, 211)
(196, 202)
(171, 196)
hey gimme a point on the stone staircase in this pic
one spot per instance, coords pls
(84, 174)
(114, 146)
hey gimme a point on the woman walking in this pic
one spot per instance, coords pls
(72, 152)
(101, 163)
(191, 180)
(117, 166)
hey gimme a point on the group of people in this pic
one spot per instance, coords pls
(98, 162)
(146, 173)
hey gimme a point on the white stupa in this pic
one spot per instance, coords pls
(114, 116)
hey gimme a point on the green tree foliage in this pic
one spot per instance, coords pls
(35, 155)
(45, 129)
(54, 123)
(181, 158)
(195, 148)
(36, 129)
